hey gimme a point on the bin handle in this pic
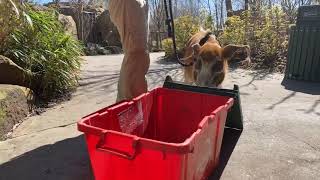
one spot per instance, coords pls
(122, 154)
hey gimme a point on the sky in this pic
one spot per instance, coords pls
(42, 1)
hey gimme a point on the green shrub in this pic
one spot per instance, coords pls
(12, 15)
(265, 31)
(208, 23)
(167, 47)
(45, 50)
(185, 27)
(206, 20)
(272, 34)
(234, 32)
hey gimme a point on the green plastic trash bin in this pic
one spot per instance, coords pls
(309, 16)
(304, 46)
(234, 117)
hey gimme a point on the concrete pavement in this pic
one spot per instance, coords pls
(281, 139)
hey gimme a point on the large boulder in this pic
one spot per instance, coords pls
(11, 73)
(84, 20)
(106, 31)
(69, 25)
(93, 25)
(74, 13)
(13, 107)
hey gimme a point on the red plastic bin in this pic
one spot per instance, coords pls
(164, 134)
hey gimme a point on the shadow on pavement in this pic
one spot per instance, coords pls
(166, 61)
(63, 160)
(256, 75)
(283, 100)
(302, 86)
(68, 160)
(229, 142)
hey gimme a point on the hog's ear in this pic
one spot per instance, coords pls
(230, 50)
(196, 49)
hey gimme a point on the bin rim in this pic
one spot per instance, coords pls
(181, 148)
(187, 146)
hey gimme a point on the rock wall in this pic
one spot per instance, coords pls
(106, 31)
(93, 25)
(11, 73)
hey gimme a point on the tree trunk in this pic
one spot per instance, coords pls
(217, 14)
(80, 20)
(160, 37)
(270, 4)
(158, 40)
(246, 5)
(229, 8)
(221, 13)
(209, 8)
(175, 9)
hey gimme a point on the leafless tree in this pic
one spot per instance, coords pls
(221, 14)
(229, 8)
(246, 4)
(157, 24)
(290, 7)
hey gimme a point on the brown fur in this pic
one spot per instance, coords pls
(210, 60)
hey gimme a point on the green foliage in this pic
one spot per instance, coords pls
(266, 31)
(208, 23)
(234, 32)
(2, 115)
(167, 47)
(45, 50)
(10, 18)
(185, 27)
(206, 20)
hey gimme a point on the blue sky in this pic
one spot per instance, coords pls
(42, 1)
